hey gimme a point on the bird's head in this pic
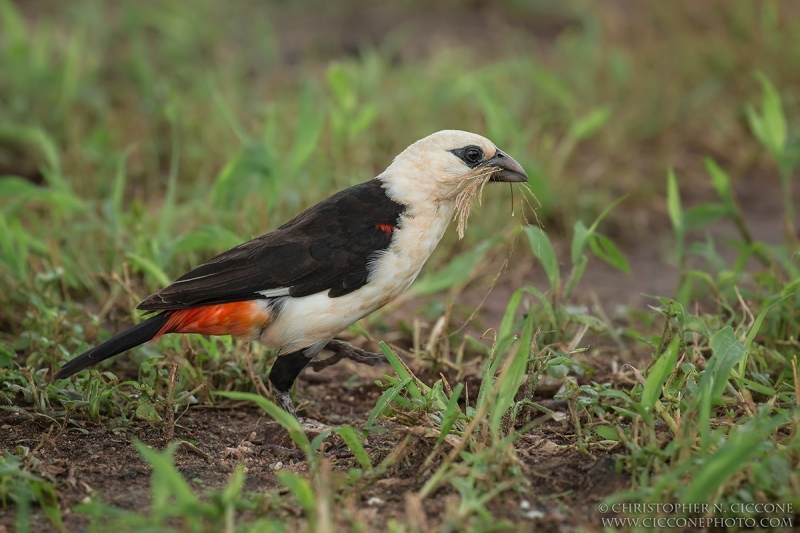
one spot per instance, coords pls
(448, 169)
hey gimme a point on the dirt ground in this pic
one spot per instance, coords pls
(103, 462)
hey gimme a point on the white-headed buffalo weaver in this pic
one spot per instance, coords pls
(297, 287)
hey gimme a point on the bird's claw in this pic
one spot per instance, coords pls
(342, 350)
(286, 402)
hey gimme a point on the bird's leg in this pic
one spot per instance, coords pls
(342, 350)
(283, 374)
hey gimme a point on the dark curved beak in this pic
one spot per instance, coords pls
(510, 170)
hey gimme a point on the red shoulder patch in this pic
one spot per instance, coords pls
(386, 228)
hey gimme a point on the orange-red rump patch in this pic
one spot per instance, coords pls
(240, 319)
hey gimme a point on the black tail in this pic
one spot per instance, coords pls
(130, 338)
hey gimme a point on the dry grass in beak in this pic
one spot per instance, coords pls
(468, 189)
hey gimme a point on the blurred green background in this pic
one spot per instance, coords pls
(138, 139)
(155, 134)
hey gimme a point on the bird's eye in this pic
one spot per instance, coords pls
(473, 154)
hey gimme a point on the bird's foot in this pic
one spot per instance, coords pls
(342, 350)
(286, 402)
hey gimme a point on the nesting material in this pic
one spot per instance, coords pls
(471, 187)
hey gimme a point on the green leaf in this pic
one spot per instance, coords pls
(606, 432)
(751, 335)
(701, 216)
(543, 250)
(507, 323)
(39, 139)
(386, 399)
(608, 252)
(614, 393)
(287, 421)
(658, 375)
(696, 324)
(13, 25)
(674, 204)
(340, 86)
(500, 122)
(301, 488)
(147, 411)
(16, 186)
(586, 126)
(309, 129)
(722, 184)
(350, 438)
(734, 455)
(233, 489)
(575, 276)
(143, 264)
(402, 372)
(512, 377)
(7, 355)
(582, 234)
(770, 126)
(166, 477)
(457, 272)
(450, 414)
(726, 352)
(206, 239)
(250, 171)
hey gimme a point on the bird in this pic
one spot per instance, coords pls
(294, 289)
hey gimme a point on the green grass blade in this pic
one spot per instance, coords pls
(543, 250)
(751, 335)
(608, 252)
(386, 399)
(675, 212)
(580, 236)
(721, 183)
(450, 414)
(402, 372)
(308, 132)
(287, 421)
(658, 375)
(301, 489)
(350, 438)
(167, 481)
(149, 267)
(773, 121)
(457, 272)
(512, 377)
(726, 352)
(586, 126)
(731, 458)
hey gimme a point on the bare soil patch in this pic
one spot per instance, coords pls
(103, 463)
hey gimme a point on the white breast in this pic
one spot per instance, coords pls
(312, 319)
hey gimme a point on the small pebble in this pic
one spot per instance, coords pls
(278, 465)
(375, 501)
(528, 513)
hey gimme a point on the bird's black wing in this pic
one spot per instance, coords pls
(327, 247)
